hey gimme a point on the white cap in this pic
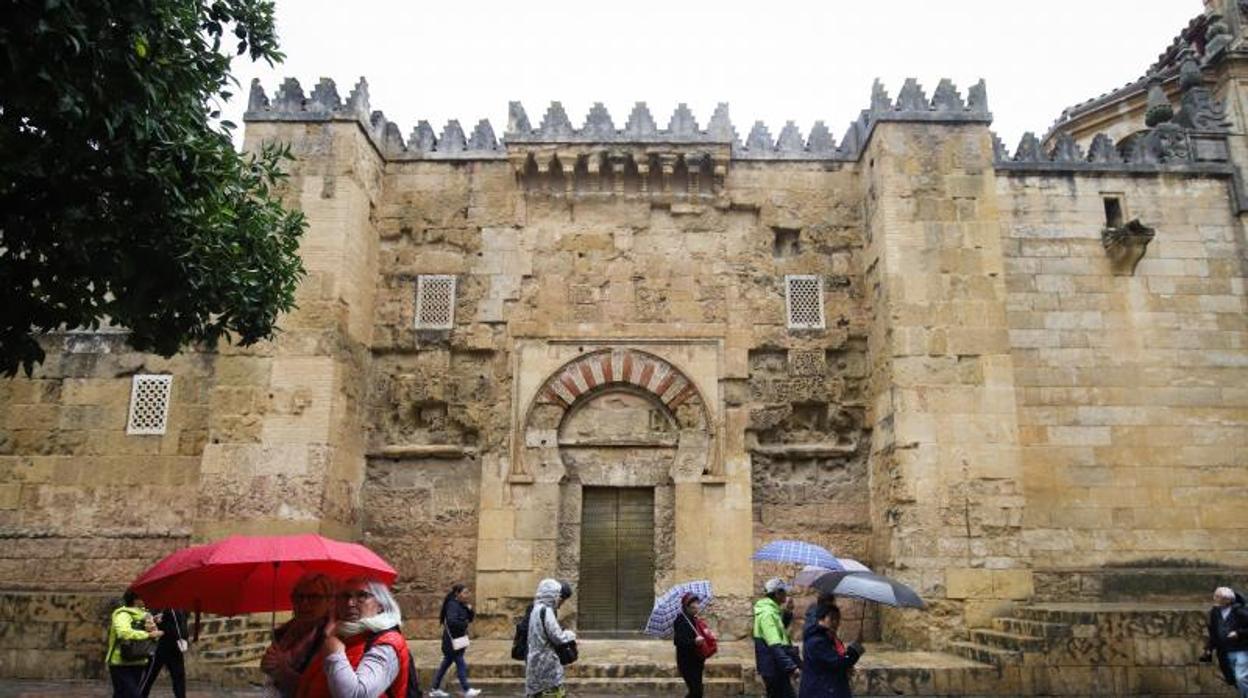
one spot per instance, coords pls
(775, 584)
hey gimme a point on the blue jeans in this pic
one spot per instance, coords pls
(1239, 666)
(461, 670)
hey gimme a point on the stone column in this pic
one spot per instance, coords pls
(945, 460)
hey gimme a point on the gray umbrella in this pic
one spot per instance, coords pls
(868, 586)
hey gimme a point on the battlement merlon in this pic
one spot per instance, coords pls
(289, 103)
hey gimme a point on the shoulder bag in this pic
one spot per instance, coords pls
(566, 651)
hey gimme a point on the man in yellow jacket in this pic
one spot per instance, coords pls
(127, 672)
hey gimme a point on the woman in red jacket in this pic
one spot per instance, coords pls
(364, 654)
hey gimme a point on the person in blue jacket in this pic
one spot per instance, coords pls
(826, 661)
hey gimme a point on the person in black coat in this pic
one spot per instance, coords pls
(685, 636)
(826, 661)
(455, 616)
(1228, 638)
(169, 649)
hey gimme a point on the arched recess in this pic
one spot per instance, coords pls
(589, 375)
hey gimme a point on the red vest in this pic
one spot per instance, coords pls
(312, 683)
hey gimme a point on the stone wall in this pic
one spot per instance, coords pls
(1132, 413)
(83, 504)
(947, 499)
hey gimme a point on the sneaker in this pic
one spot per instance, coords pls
(472, 692)
(439, 693)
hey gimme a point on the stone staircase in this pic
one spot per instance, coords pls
(1032, 629)
(233, 640)
(1096, 649)
(599, 679)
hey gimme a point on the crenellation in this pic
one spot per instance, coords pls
(993, 407)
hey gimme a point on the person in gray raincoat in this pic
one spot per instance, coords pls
(543, 674)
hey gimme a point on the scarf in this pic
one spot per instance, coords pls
(372, 624)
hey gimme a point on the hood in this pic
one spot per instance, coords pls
(547, 592)
(811, 629)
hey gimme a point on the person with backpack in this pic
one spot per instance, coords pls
(454, 617)
(694, 643)
(548, 643)
(364, 654)
(132, 636)
(773, 651)
(173, 643)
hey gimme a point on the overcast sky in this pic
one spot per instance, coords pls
(775, 61)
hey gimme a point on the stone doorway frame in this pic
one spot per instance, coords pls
(601, 369)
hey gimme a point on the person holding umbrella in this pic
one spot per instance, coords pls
(693, 643)
(364, 654)
(826, 661)
(772, 645)
(297, 640)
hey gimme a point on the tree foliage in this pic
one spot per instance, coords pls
(122, 200)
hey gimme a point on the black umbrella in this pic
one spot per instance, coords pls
(868, 586)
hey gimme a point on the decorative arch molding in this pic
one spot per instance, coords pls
(594, 372)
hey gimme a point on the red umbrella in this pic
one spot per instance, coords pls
(250, 574)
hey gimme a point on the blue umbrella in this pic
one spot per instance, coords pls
(667, 606)
(799, 553)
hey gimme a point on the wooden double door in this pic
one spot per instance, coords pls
(616, 586)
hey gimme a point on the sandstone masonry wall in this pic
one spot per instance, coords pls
(1131, 405)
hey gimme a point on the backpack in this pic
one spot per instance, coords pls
(412, 689)
(520, 640)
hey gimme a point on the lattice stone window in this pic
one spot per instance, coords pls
(803, 298)
(149, 404)
(435, 302)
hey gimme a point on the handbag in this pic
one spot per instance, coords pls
(710, 644)
(457, 643)
(135, 650)
(567, 652)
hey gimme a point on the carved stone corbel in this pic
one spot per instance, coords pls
(1126, 245)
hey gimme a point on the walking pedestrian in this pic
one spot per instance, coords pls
(170, 648)
(297, 641)
(455, 616)
(364, 654)
(809, 618)
(827, 663)
(774, 653)
(690, 644)
(132, 635)
(1228, 638)
(543, 671)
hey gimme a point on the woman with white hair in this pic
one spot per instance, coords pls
(1228, 638)
(364, 654)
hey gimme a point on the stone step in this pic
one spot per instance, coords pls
(1008, 641)
(591, 671)
(234, 654)
(995, 656)
(603, 686)
(1034, 628)
(237, 636)
(214, 625)
(1065, 616)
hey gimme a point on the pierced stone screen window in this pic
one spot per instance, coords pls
(804, 301)
(435, 302)
(149, 404)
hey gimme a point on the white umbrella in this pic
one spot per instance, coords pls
(810, 573)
